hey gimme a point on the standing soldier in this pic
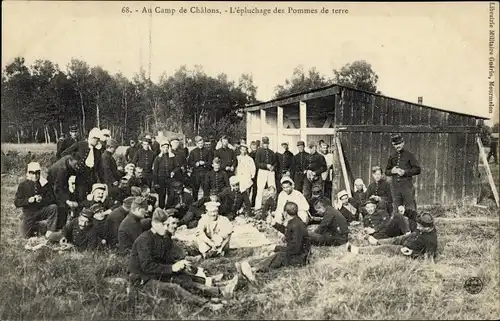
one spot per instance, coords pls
(164, 171)
(69, 141)
(246, 169)
(111, 175)
(131, 151)
(253, 152)
(90, 156)
(327, 176)
(60, 141)
(199, 160)
(180, 159)
(155, 146)
(285, 162)
(144, 159)
(300, 166)
(217, 179)
(316, 165)
(265, 161)
(402, 166)
(106, 137)
(227, 157)
(493, 149)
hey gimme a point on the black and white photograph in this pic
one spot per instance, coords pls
(232, 160)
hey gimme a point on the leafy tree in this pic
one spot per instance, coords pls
(495, 128)
(300, 82)
(358, 74)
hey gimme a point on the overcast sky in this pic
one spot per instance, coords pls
(438, 51)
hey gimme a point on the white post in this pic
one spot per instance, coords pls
(303, 121)
(249, 127)
(279, 128)
(262, 123)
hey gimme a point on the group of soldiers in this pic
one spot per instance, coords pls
(91, 203)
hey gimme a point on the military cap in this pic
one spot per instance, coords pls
(396, 139)
(426, 219)
(87, 212)
(198, 139)
(113, 143)
(265, 140)
(301, 143)
(73, 128)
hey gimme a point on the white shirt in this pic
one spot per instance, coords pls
(89, 162)
(245, 171)
(221, 227)
(295, 197)
(329, 163)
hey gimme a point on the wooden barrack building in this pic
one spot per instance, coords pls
(444, 142)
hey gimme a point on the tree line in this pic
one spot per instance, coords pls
(41, 101)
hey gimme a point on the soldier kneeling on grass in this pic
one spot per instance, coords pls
(421, 243)
(81, 232)
(294, 253)
(36, 200)
(154, 262)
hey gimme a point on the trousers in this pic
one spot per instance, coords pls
(197, 179)
(403, 193)
(327, 240)
(29, 224)
(264, 177)
(298, 181)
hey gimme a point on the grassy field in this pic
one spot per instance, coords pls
(46, 285)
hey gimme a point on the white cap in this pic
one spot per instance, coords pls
(33, 167)
(98, 186)
(233, 180)
(95, 133)
(105, 132)
(286, 179)
(342, 193)
(148, 136)
(212, 206)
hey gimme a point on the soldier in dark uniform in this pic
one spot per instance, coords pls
(58, 180)
(131, 151)
(300, 161)
(233, 201)
(181, 201)
(316, 164)
(36, 201)
(90, 157)
(180, 160)
(68, 141)
(144, 159)
(60, 141)
(199, 160)
(155, 146)
(379, 188)
(164, 172)
(111, 175)
(285, 162)
(252, 153)
(216, 179)
(227, 156)
(493, 149)
(402, 166)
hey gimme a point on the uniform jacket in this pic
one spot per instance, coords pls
(316, 163)
(404, 160)
(82, 148)
(298, 243)
(381, 188)
(163, 166)
(130, 229)
(333, 224)
(86, 239)
(130, 153)
(232, 201)
(57, 177)
(110, 173)
(144, 159)
(285, 161)
(227, 157)
(264, 157)
(216, 180)
(65, 144)
(27, 189)
(200, 154)
(300, 162)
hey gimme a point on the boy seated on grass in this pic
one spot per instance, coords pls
(294, 253)
(382, 225)
(421, 243)
(270, 204)
(154, 263)
(81, 232)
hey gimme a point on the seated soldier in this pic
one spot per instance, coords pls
(421, 243)
(81, 233)
(375, 220)
(214, 232)
(138, 179)
(294, 253)
(114, 220)
(216, 179)
(289, 194)
(99, 195)
(380, 188)
(37, 203)
(153, 263)
(270, 204)
(233, 201)
(410, 216)
(133, 225)
(359, 194)
(333, 229)
(346, 207)
(180, 200)
(317, 195)
(74, 202)
(197, 209)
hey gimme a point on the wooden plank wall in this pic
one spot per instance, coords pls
(448, 160)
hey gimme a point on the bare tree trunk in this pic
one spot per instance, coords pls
(36, 135)
(97, 112)
(60, 127)
(55, 133)
(18, 136)
(83, 113)
(126, 111)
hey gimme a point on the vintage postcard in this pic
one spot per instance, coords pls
(249, 160)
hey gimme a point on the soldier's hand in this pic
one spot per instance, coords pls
(394, 170)
(38, 198)
(115, 183)
(401, 172)
(172, 175)
(228, 168)
(287, 174)
(201, 163)
(231, 168)
(178, 266)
